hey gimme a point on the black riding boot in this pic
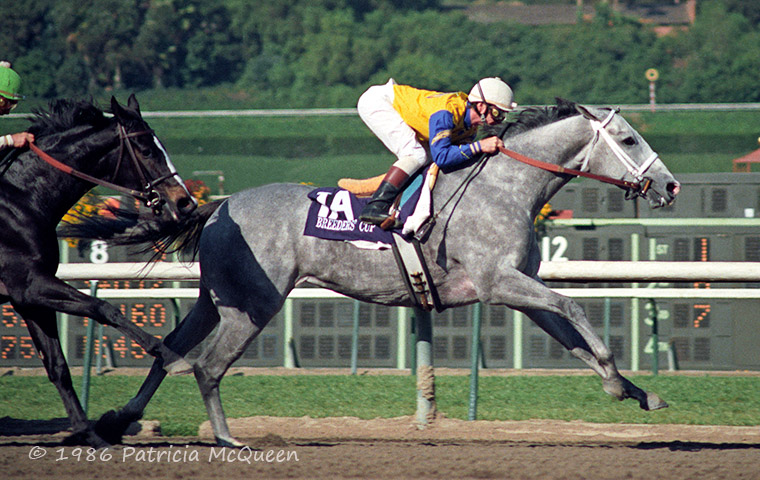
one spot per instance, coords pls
(377, 210)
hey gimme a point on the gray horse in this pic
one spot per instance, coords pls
(483, 248)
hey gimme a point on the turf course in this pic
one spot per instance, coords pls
(698, 400)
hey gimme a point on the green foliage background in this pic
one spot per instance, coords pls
(236, 54)
(320, 53)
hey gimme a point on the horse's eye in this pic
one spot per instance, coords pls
(630, 141)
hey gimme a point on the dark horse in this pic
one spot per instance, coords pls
(482, 248)
(77, 146)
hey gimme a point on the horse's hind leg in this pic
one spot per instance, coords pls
(236, 331)
(580, 339)
(45, 337)
(193, 329)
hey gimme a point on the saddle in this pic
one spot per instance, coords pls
(361, 187)
(407, 250)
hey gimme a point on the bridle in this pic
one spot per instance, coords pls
(639, 188)
(634, 189)
(149, 195)
(636, 171)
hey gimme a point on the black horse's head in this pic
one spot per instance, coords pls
(144, 164)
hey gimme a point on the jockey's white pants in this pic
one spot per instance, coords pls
(375, 108)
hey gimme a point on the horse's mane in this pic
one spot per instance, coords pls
(534, 117)
(65, 114)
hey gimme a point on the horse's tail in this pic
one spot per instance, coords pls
(149, 234)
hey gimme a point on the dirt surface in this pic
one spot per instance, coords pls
(343, 448)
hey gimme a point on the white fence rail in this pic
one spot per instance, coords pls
(647, 272)
(307, 112)
(570, 271)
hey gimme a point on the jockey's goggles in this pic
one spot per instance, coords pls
(7, 103)
(497, 114)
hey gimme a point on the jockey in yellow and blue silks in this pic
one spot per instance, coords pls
(422, 125)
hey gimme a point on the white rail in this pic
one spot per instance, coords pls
(310, 112)
(570, 271)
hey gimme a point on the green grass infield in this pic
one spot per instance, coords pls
(695, 400)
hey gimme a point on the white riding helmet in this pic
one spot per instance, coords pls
(495, 91)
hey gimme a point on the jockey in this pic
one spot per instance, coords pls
(413, 123)
(10, 84)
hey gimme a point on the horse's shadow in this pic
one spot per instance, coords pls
(11, 427)
(679, 446)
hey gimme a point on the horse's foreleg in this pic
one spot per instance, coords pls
(189, 333)
(580, 339)
(52, 293)
(566, 321)
(45, 337)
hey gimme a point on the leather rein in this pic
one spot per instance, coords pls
(637, 188)
(633, 187)
(149, 195)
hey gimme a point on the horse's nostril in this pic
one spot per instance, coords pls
(674, 188)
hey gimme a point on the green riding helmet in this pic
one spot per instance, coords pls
(10, 83)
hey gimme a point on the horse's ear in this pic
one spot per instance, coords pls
(132, 103)
(116, 109)
(563, 102)
(586, 113)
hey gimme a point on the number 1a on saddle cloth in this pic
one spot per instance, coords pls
(334, 215)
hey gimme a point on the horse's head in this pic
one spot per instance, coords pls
(148, 168)
(617, 150)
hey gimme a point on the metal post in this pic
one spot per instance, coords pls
(425, 373)
(63, 319)
(517, 335)
(289, 360)
(607, 305)
(402, 337)
(99, 356)
(355, 338)
(85, 396)
(477, 315)
(655, 338)
(413, 346)
(672, 357)
(635, 309)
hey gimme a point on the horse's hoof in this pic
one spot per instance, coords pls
(85, 437)
(653, 402)
(112, 425)
(229, 442)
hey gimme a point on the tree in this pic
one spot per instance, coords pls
(749, 9)
(102, 32)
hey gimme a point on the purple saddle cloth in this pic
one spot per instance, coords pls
(334, 215)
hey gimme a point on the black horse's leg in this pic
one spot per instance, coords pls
(189, 333)
(42, 327)
(50, 292)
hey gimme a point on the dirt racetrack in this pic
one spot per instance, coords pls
(340, 448)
